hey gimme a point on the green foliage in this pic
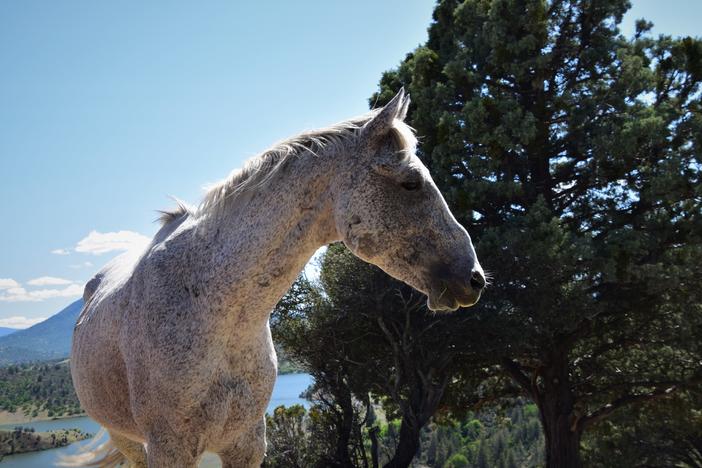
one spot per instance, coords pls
(300, 438)
(289, 436)
(340, 332)
(457, 460)
(661, 433)
(285, 365)
(510, 437)
(35, 388)
(572, 156)
(367, 337)
(493, 437)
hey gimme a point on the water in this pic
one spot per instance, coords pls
(286, 392)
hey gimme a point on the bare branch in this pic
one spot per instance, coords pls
(608, 409)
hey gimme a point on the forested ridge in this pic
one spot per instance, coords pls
(43, 389)
(505, 438)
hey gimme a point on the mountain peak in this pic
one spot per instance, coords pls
(50, 339)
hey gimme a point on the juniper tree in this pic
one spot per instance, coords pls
(572, 155)
(660, 433)
(365, 336)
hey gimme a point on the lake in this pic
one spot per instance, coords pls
(286, 392)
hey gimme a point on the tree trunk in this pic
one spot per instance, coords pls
(373, 431)
(373, 434)
(562, 444)
(556, 405)
(344, 428)
(408, 446)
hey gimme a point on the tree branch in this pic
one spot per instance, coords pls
(515, 371)
(608, 409)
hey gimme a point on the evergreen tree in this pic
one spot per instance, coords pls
(360, 333)
(457, 460)
(661, 433)
(313, 335)
(510, 462)
(572, 155)
(482, 459)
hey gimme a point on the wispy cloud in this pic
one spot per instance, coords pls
(19, 321)
(73, 290)
(98, 243)
(48, 281)
(13, 291)
(8, 283)
(20, 294)
(95, 243)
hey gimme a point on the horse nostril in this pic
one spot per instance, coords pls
(477, 281)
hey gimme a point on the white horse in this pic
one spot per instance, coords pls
(172, 353)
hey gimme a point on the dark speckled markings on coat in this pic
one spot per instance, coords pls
(173, 349)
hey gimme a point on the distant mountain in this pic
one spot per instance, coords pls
(6, 331)
(50, 339)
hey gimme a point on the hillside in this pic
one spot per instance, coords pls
(38, 390)
(6, 331)
(50, 339)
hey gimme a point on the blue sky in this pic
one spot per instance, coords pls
(106, 108)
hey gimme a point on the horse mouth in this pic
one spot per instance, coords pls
(447, 299)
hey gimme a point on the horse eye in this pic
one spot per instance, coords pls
(411, 185)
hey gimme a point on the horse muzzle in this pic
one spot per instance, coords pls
(451, 292)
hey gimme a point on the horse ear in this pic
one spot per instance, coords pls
(381, 123)
(405, 106)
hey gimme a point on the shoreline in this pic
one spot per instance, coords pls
(20, 419)
(29, 441)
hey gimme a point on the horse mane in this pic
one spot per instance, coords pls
(258, 170)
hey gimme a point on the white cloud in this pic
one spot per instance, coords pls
(98, 243)
(73, 290)
(61, 252)
(17, 295)
(19, 321)
(22, 295)
(7, 283)
(48, 281)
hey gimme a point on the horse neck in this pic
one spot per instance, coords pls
(262, 242)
